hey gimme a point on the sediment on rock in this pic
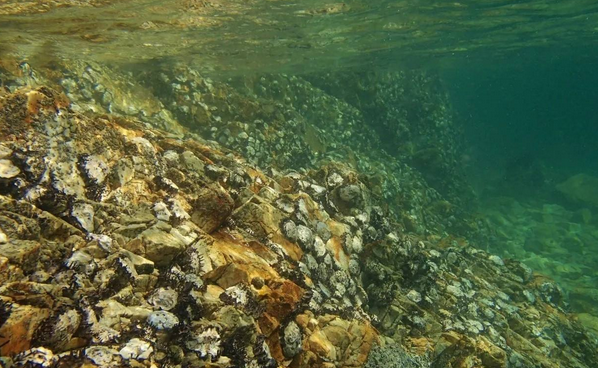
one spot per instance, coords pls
(136, 246)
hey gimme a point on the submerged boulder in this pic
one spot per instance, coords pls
(580, 188)
(208, 261)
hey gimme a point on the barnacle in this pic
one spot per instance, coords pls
(235, 345)
(103, 356)
(291, 340)
(165, 299)
(242, 296)
(98, 332)
(37, 357)
(56, 331)
(162, 320)
(206, 343)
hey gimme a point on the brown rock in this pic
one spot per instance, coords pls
(18, 330)
(264, 220)
(318, 343)
(161, 247)
(346, 343)
(492, 356)
(21, 252)
(212, 206)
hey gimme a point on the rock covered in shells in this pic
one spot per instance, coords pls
(164, 299)
(227, 278)
(103, 356)
(292, 337)
(136, 349)
(162, 320)
(206, 343)
(36, 357)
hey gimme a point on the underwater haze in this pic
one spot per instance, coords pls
(267, 183)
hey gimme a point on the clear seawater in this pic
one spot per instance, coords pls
(522, 77)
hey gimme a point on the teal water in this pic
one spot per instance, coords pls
(544, 108)
(531, 124)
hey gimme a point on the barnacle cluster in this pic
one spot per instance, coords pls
(127, 245)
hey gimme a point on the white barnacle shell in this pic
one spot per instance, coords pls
(79, 260)
(305, 236)
(84, 213)
(165, 299)
(104, 241)
(171, 157)
(237, 294)
(136, 349)
(178, 210)
(206, 343)
(96, 168)
(103, 356)
(162, 320)
(36, 357)
(292, 337)
(144, 146)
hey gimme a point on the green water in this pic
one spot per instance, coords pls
(521, 77)
(298, 37)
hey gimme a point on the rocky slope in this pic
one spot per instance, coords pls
(126, 245)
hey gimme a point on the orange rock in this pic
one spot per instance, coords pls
(228, 275)
(306, 359)
(211, 207)
(492, 356)
(268, 324)
(303, 320)
(16, 333)
(419, 345)
(338, 341)
(283, 299)
(318, 344)
(335, 245)
(273, 343)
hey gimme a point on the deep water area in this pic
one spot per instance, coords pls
(531, 129)
(266, 184)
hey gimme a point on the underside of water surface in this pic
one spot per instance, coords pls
(193, 183)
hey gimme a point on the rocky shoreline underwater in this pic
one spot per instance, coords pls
(170, 220)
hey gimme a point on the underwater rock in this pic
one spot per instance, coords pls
(103, 356)
(160, 246)
(211, 208)
(304, 236)
(8, 170)
(36, 357)
(212, 289)
(580, 188)
(19, 325)
(84, 213)
(162, 320)
(57, 331)
(206, 343)
(393, 356)
(136, 349)
(291, 340)
(164, 299)
(350, 193)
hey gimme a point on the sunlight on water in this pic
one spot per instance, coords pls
(254, 36)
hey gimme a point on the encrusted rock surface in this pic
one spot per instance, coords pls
(124, 245)
(92, 263)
